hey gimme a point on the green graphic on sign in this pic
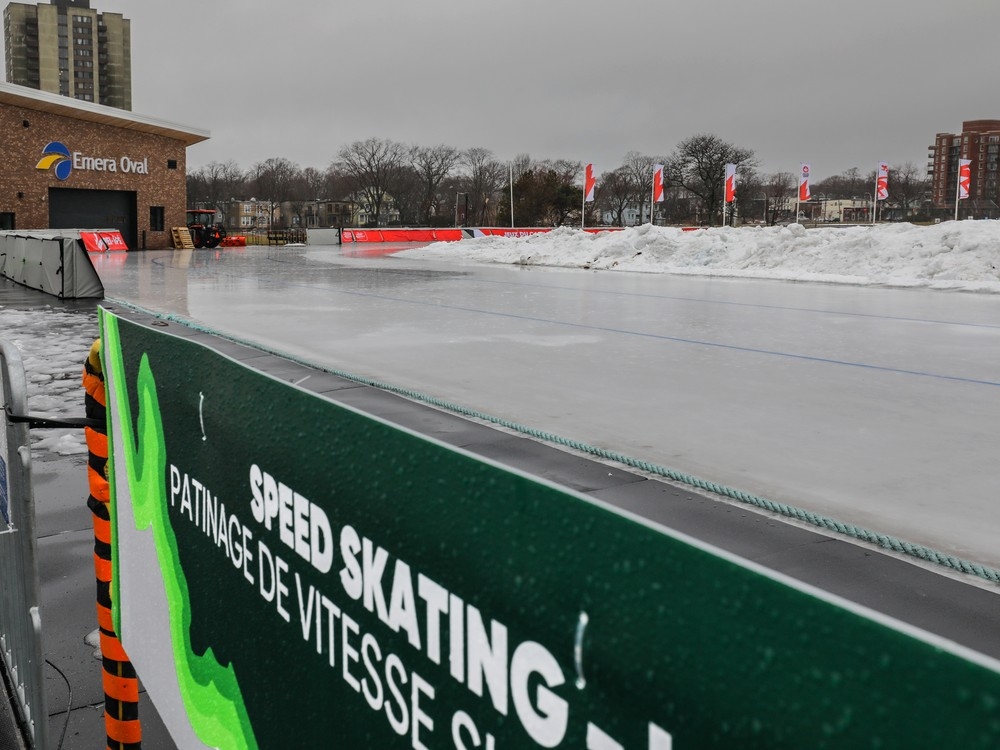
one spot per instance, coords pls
(211, 694)
(331, 580)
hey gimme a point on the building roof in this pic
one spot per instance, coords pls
(43, 101)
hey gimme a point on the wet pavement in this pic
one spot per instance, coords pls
(74, 690)
(44, 328)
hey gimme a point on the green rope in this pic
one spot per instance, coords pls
(789, 511)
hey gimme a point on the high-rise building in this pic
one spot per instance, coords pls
(68, 48)
(979, 142)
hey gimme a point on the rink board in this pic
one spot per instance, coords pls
(289, 567)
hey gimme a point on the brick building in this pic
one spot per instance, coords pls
(70, 164)
(979, 142)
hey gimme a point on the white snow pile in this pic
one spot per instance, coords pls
(963, 255)
(53, 345)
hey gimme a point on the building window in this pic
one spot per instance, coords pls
(156, 220)
(171, 164)
(7, 222)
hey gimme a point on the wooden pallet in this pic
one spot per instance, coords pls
(182, 238)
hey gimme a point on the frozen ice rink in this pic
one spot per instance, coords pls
(874, 406)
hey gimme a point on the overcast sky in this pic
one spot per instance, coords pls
(837, 84)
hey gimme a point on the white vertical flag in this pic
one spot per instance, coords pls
(964, 182)
(964, 178)
(882, 181)
(730, 183)
(589, 184)
(804, 194)
(657, 183)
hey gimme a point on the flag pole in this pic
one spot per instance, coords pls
(875, 193)
(725, 204)
(652, 196)
(798, 194)
(958, 187)
(583, 208)
(510, 166)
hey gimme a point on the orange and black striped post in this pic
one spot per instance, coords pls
(121, 686)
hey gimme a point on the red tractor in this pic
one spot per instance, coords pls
(204, 232)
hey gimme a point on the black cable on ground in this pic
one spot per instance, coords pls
(69, 704)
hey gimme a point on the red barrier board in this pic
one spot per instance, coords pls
(447, 235)
(508, 232)
(401, 235)
(102, 242)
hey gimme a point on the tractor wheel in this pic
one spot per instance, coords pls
(196, 238)
(212, 240)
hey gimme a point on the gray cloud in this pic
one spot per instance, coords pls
(837, 84)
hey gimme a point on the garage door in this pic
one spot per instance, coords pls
(94, 209)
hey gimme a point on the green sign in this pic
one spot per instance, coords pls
(294, 573)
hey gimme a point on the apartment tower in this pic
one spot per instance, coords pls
(68, 48)
(979, 142)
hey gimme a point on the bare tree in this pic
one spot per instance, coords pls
(373, 165)
(568, 172)
(273, 180)
(315, 183)
(778, 190)
(847, 185)
(521, 164)
(216, 184)
(486, 176)
(555, 183)
(856, 184)
(907, 187)
(698, 165)
(338, 184)
(615, 193)
(639, 169)
(407, 190)
(433, 165)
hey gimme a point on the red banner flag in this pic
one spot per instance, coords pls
(589, 183)
(804, 194)
(964, 178)
(658, 183)
(730, 183)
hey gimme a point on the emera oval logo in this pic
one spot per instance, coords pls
(56, 153)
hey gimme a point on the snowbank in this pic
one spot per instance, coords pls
(954, 255)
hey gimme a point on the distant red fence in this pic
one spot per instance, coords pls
(445, 235)
(401, 235)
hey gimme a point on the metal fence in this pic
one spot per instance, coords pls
(20, 620)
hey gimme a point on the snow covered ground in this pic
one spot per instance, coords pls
(53, 343)
(953, 255)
